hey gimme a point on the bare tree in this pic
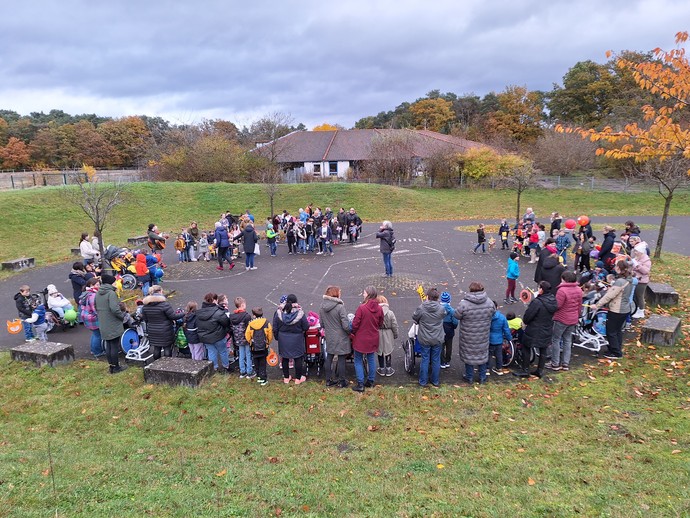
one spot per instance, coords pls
(96, 199)
(669, 175)
(519, 177)
(391, 158)
(563, 153)
(271, 148)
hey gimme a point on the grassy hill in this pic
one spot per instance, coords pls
(41, 223)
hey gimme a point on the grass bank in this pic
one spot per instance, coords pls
(611, 439)
(40, 223)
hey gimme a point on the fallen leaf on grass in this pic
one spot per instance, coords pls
(222, 473)
(674, 452)
(343, 412)
(273, 460)
(531, 481)
(372, 427)
(46, 472)
(440, 466)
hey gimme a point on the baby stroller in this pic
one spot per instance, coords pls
(315, 344)
(119, 261)
(590, 332)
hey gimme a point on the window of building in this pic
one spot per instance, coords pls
(317, 168)
(333, 168)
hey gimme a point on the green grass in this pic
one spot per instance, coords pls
(43, 225)
(603, 440)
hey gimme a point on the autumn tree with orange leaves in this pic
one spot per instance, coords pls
(660, 146)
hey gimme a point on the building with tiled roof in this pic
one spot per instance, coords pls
(334, 153)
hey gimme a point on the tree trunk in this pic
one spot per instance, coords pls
(662, 227)
(517, 213)
(272, 213)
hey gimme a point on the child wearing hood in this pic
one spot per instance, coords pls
(500, 330)
(388, 334)
(450, 324)
(143, 273)
(271, 236)
(57, 301)
(289, 328)
(22, 300)
(38, 319)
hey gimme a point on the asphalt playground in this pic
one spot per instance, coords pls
(427, 254)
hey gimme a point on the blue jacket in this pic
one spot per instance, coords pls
(450, 315)
(513, 271)
(562, 242)
(222, 238)
(499, 329)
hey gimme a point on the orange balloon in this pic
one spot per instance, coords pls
(583, 220)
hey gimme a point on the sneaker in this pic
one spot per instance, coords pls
(331, 253)
(498, 372)
(289, 253)
(246, 268)
(369, 383)
(343, 383)
(261, 382)
(119, 368)
(242, 375)
(287, 380)
(319, 253)
(253, 268)
(638, 314)
(507, 301)
(445, 365)
(332, 383)
(232, 265)
(219, 267)
(358, 388)
(390, 371)
(381, 371)
(612, 356)
(513, 299)
(251, 375)
(554, 367)
(564, 367)
(31, 340)
(301, 380)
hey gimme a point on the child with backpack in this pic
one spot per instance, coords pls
(239, 320)
(259, 334)
(23, 302)
(38, 319)
(271, 236)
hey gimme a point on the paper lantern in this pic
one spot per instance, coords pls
(272, 358)
(14, 327)
(570, 224)
(526, 296)
(583, 220)
(70, 315)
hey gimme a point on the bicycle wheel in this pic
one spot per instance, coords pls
(508, 353)
(129, 281)
(408, 349)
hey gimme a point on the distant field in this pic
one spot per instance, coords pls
(40, 223)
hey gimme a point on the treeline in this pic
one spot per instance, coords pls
(208, 151)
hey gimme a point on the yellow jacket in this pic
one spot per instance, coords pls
(255, 324)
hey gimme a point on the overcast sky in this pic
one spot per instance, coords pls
(316, 60)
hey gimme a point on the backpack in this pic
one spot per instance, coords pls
(181, 339)
(238, 337)
(259, 343)
(392, 244)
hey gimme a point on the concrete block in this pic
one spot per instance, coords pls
(75, 251)
(660, 330)
(659, 294)
(178, 371)
(16, 265)
(43, 353)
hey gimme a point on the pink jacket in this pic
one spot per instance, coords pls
(569, 300)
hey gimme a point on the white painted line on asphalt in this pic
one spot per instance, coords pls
(452, 274)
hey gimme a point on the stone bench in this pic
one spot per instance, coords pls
(178, 371)
(19, 264)
(75, 251)
(660, 330)
(137, 240)
(659, 294)
(43, 353)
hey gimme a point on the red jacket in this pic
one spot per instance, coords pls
(569, 300)
(365, 327)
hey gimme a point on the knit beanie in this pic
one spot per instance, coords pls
(107, 279)
(445, 297)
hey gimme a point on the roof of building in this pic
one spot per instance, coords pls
(341, 145)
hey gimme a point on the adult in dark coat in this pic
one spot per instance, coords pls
(213, 325)
(78, 276)
(352, 219)
(221, 238)
(387, 245)
(605, 254)
(336, 328)
(474, 314)
(289, 328)
(549, 248)
(249, 240)
(365, 330)
(110, 321)
(551, 272)
(539, 321)
(160, 322)
(342, 222)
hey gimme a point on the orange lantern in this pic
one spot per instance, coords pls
(583, 220)
(14, 327)
(272, 358)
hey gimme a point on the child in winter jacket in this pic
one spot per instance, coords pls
(196, 347)
(143, 274)
(500, 330)
(203, 247)
(450, 324)
(38, 319)
(57, 301)
(239, 320)
(562, 245)
(259, 335)
(512, 275)
(22, 300)
(271, 236)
